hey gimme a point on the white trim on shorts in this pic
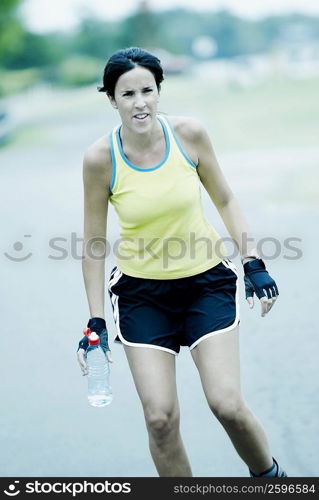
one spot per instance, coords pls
(116, 313)
(227, 263)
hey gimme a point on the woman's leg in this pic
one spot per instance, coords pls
(217, 360)
(154, 376)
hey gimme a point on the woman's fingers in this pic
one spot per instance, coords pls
(250, 301)
(267, 301)
(273, 300)
(82, 363)
(109, 356)
(263, 303)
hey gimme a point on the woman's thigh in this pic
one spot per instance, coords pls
(218, 363)
(154, 375)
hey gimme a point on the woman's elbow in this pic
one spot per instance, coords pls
(224, 201)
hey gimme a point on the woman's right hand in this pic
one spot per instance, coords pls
(81, 359)
(98, 326)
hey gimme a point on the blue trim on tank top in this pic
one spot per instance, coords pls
(113, 162)
(130, 164)
(192, 164)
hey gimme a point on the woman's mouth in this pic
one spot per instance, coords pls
(141, 116)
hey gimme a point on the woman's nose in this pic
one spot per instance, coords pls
(139, 101)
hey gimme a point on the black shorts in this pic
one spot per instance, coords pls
(167, 314)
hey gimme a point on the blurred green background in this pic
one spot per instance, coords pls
(254, 84)
(234, 73)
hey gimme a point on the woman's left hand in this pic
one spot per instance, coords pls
(257, 280)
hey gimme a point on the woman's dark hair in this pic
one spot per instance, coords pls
(126, 59)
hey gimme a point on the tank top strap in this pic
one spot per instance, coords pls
(176, 147)
(115, 156)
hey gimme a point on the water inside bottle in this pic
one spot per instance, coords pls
(99, 389)
(100, 400)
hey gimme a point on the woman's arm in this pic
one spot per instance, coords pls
(96, 180)
(197, 144)
(220, 193)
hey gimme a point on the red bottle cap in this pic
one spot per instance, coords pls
(94, 339)
(86, 332)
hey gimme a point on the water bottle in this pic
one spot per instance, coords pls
(99, 389)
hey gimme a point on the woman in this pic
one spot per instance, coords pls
(173, 284)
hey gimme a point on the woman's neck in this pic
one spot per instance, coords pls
(143, 141)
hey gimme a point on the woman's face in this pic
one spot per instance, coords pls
(136, 97)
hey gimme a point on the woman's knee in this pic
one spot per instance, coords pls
(162, 423)
(230, 410)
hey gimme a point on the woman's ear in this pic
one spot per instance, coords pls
(112, 101)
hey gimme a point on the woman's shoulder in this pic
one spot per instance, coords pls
(97, 161)
(189, 131)
(188, 127)
(99, 152)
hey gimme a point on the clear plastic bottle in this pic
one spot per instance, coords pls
(99, 389)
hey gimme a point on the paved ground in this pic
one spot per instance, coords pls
(46, 426)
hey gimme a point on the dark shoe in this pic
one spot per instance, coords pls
(280, 472)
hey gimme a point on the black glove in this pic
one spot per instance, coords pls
(258, 280)
(98, 326)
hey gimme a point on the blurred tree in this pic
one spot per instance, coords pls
(178, 29)
(37, 51)
(11, 29)
(232, 34)
(61, 56)
(141, 29)
(95, 38)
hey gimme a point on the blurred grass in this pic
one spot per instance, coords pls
(276, 113)
(32, 136)
(268, 130)
(15, 81)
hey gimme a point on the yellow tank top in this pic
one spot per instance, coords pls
(164, 233)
